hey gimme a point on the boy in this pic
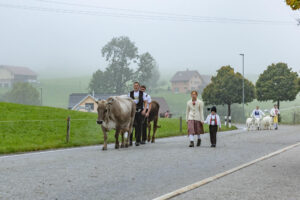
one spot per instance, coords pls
(214, 122)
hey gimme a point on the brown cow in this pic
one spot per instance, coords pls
(153, 116)
(117, 113)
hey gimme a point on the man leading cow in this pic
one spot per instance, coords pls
(140, 100)
(148, 109)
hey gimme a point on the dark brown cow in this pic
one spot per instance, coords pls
(153, 116)
(116, 113)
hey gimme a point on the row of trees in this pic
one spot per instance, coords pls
(276, 83)
(121, 54)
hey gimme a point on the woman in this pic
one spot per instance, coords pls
(194, 118)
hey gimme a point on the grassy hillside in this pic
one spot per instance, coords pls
(30, 128)
(56, 91)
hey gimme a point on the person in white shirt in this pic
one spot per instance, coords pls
(257, 113)
(140, 99)
(275, 113)
(145, 122)
(214, 122)
(194, 118)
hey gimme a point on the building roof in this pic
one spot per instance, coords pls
(19, 70)
(184, 75)
(76, 98)
(163, 106)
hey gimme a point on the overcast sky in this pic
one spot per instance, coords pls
(65, 44)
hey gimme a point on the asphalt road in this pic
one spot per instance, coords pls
(274, 178)
(143, 172)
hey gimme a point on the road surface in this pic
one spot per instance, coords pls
(143, 172)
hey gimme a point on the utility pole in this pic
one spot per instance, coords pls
(243, 55)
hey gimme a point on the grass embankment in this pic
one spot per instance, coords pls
(31, 128)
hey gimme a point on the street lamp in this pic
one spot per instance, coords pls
(243, 55)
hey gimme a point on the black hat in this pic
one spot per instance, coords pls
(213, 109)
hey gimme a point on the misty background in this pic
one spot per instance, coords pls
(56, 44)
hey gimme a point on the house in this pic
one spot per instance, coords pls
(12, 74)
(186, 81)
(87, 102)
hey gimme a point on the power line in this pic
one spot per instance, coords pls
(165, 17)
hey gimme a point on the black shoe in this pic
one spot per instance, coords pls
(130, 143)
(143, 142)
(191, 144)
(198, 142)
(137, 144)
(213, 145)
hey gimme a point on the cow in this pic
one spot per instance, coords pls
(153, 116)
(117, 112)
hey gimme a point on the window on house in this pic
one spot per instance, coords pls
(89, 106)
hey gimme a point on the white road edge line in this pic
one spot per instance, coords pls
(217, 176)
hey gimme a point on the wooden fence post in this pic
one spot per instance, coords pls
(68, 129)
(180, 124)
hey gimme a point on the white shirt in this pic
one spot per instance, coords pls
(136, 96)
(257, 113)
(212, 119)
(149, 100)
(273, 112)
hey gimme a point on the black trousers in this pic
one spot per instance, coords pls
(137, 127)
(144, 127)
(213, 134)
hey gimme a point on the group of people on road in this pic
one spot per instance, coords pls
(274, 113)
(195, 121)
(143, 108)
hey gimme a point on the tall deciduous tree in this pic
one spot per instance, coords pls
(147, 72)
(23, 93)
(277, 83)
(100, 82)
(120, 52)
(226, 89)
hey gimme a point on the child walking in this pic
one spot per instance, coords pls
(214, 122)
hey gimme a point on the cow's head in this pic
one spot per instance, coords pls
(103, 109)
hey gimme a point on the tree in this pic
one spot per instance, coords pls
(147, 72)
(100, 82)
(294, 4)
(226, 89)
(120, 52)
(277, 83)
(23, 93)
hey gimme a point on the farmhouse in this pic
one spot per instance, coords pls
(86, 102)
(186, 81)
(12, 74)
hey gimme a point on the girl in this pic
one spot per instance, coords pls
(194, 118)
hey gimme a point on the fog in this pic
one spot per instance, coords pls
(57, 44)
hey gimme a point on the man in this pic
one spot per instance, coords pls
(257, 113)
(275, 113)
(194, 118)
(140, 100)
(145, 120)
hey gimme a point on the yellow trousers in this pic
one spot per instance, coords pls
(275, 119)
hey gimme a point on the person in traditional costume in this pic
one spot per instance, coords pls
(214, 122)
(257, 113)
(275, 114)
(194, 118)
